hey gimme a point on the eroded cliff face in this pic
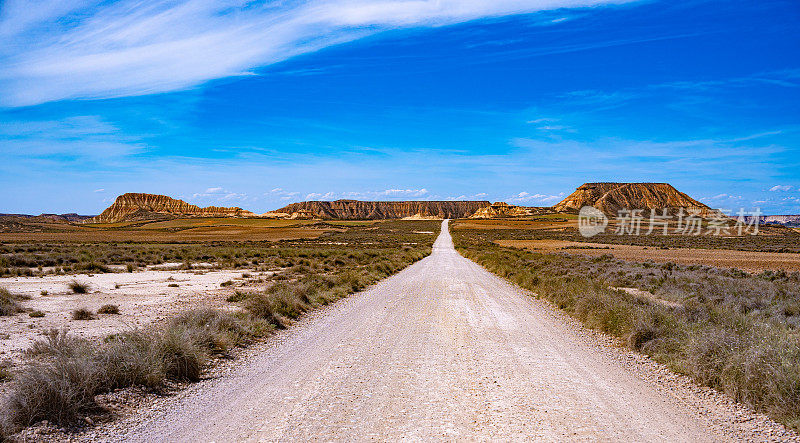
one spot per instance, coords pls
(136, 206)
(786, 220)
(505, 210)
(613, 197)
(379, 210)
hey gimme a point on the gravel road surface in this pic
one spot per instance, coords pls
(443, 350)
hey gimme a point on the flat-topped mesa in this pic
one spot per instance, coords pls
(613, 197)
(381, 210)
(137, 206)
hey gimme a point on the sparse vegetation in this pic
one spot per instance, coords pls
(9, 302)
(771, 239)
(36, 314)
(172, 285)
(82, 314)
(66, 255)
(236, 297)
(728, 329)
(63, 373)
(5, 375)
(78, 287)
(108, 309)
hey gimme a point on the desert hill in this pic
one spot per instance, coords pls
(505, 210)
(378, 210)
(65, 218)
(786, 220)
(137, 206)
(612, 197)
(608, 197)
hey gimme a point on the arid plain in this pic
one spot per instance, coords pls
(134, 323)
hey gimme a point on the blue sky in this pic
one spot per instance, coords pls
(258, 104)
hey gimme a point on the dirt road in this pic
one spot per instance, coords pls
(443, 350)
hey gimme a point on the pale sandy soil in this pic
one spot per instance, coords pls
(722, 258)
(142, 297)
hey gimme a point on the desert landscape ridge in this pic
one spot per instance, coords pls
(609, 198)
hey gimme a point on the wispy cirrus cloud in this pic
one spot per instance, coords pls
(525, 197)
(220, 194)
(88, 49)
(386, 194)
(86, 137)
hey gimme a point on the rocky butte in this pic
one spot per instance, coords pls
(136, 206)
(505, 210)
(378, 210)
(608, 197)
(613, 197)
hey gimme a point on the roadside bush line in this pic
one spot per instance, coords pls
(729, 330)
(63, 373)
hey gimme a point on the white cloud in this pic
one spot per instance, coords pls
(93, 49)
(542, 120)
(782, 188)
(282, 194)
(220, 195)
(526, 197)
(721, 198)
(386, 194)
(99, 190)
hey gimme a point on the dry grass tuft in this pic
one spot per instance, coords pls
(78, 287)
(9, 302)
(108, 309)
(82, 314)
